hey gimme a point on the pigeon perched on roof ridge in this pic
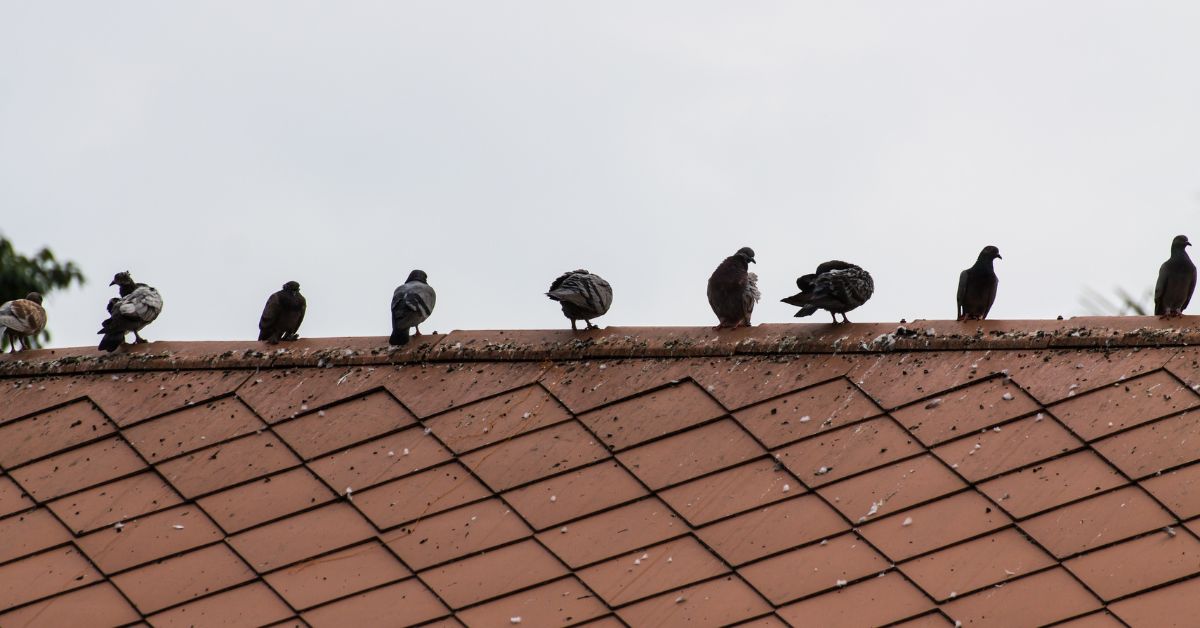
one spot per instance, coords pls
(412, 303)
(138, 306)
(837, 287)
(1176, 281)
(583, 296)
(977, 286)
(22, 318)
(282, 315)
(733, 290)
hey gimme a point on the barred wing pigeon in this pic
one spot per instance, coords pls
(283, 314)
(837, 287)
(977, 286)
(21, 318)
(1176, 281)
(412, 303)
(583, 296)
(733, 290)
(138, 306)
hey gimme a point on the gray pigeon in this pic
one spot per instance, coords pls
(977, 286)
(1176, 280)
(22, 318)
(733, 290)
(837, 287)
(412, 303)
(138, 306)
(583, 296)
(282, 314)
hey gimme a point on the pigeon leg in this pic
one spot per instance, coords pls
(844, 319)
(416, 330)
(138, 339)
(835, 320)
(573, 327)
(590, 325)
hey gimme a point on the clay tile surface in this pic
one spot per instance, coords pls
(997, 473)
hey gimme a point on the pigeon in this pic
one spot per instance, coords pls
(282, 315)
(977, 286)
(733, 290)
(138, 306)
(583, 296)
(1176, 281)
(21, 318)
(412, 303)
(837, 286)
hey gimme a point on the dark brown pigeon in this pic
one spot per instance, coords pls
(733, 290)
(583, 296)
(977, 286)
(1176, 281)
(837, 287)
(282, 315)
(22, 318)
(138, 306)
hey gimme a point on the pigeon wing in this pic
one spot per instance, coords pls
(962, 290)
(270, 315)
(1160, 288)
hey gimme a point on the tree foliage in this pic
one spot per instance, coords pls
(42, 272)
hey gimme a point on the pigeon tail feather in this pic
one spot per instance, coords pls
(399, 336)
(111, 341)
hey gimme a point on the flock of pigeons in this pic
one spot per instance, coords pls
(836, 287)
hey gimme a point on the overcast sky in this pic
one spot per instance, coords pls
(219, 149)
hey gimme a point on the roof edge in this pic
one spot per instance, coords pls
(621, 342)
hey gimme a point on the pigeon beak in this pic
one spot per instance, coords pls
(999, 256)
(752, 261)
(113, 282)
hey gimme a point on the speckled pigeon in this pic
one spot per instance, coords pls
(837, 287)
(412, 303)
(977, 286)
(138, 306)
(733, 290)
(583, 296)
(21, 318)
(282, 314)
(1176, 280)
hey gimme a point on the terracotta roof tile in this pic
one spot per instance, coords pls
(872, 602)
(1179, 490)
(99, 605)
(132, 397)
(268, 498)
(493, 574)
(1125, 404)
(116, 501)
(807, 412)
(279, 394)
(430, 389)
(1044, 486)
(319, 580)
(348, 422)
(419, 495)
(1014, 445)
(770, 621)
(250, 605)
(51, 431)
(467, 530)
(576, 494)
(894, 487)
(1155, 447)
(301, 536)
(25, 396)
(1098, 521)
(928, 620)
(1173, 605)
(735, 490)
(497, 418)
(573, 383)
(12, 498)
(30, 532)
(976, 564)
(651, 571)
(958, 412)
(181, 578)
(612, 532)
(405, 604)
(814, 568)
(717, 602)
(1036, 600)
(149, 538)
(849, 450)
(534, 456)
(684, 456)
(377, 461)
(741, 381)
(934, 525)
(220, 466)
(1137, 564)
(636, 420)
(192, 428)
(42, 575)
(1095, 620)
(797, 521)
(78, 469)
(559, 603)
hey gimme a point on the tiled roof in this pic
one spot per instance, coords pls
(994, 474)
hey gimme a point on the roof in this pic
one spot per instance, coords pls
(995, 473)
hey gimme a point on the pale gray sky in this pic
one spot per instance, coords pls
(219, 149)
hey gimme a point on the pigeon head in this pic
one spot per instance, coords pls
(36, 297)
(990, 253)
(417, 275)
(747, 254)
(1179, 243)
(292, 286)
(122, 279)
